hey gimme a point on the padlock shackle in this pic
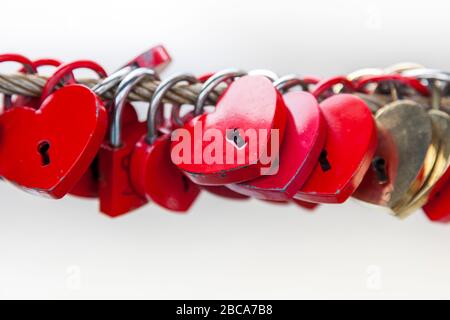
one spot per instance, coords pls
(292, 80)
(67, 69)
(123, 90)
(27, 65)
(112, 80)
(212, 82)
(329, 83)
(409, 81)
(156, 101)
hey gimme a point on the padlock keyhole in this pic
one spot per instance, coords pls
(235, 136)
(185, 182)
(323, 161)
(379, 166)
(43, 149)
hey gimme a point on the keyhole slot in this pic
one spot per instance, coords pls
(236, 137)
(379, 166)
(323, 161)
(185, 182)
(43, 149)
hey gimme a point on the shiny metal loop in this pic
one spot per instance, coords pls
(156, 101)
(428, 74)
(123, 90)
(289, 81)
(437, 81)
(358, 74)
(272, 76)
(212, 83)
(112, 80)
(402, 67)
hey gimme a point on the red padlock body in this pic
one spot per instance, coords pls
(156, 57)
(437, 207)
(116, 193)
(350, 146)
(305, 204)
(304, 138)
(87, 187)
(250, 105)
(46, 151)
(154, 175)
(224, 192)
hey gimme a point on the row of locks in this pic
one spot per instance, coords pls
(381, 136)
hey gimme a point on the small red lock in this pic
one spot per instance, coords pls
(152, 172)
(57, 141)
(221, 191)
(303, 142)
(87, 185)
(348, 151)
(249, 117)
(116, 192)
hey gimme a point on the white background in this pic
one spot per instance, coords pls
(224, 249)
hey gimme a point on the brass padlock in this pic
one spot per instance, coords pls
(405, 156)
(441, 124)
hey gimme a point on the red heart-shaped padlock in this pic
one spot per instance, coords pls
(305, 204)
(86, 186)
(247, 116)
(350, 146)
(304, 138)
(152, 172)
(46, 151)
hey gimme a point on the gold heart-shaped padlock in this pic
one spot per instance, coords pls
(405, 155)
(441, 125)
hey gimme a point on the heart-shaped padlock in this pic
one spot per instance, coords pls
(178, 121)
(403, 157)
(349, 148)
(46, 151)
(407, 146)
(228, 145)
(441, 124)
(152, 172)
(116, 192)
(86, 186)
(304, 138)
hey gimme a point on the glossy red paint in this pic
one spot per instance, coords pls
(155, 176)
(304, 139)
(326, 85)
(156, 57)
(438, 205)
(64, 73)
(305, 204)
(116, 192)
(350, 146)
(251, 102)
(86, 186)
(46, 151)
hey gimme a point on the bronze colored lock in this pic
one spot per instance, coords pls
(441, 124)
(405, 156)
